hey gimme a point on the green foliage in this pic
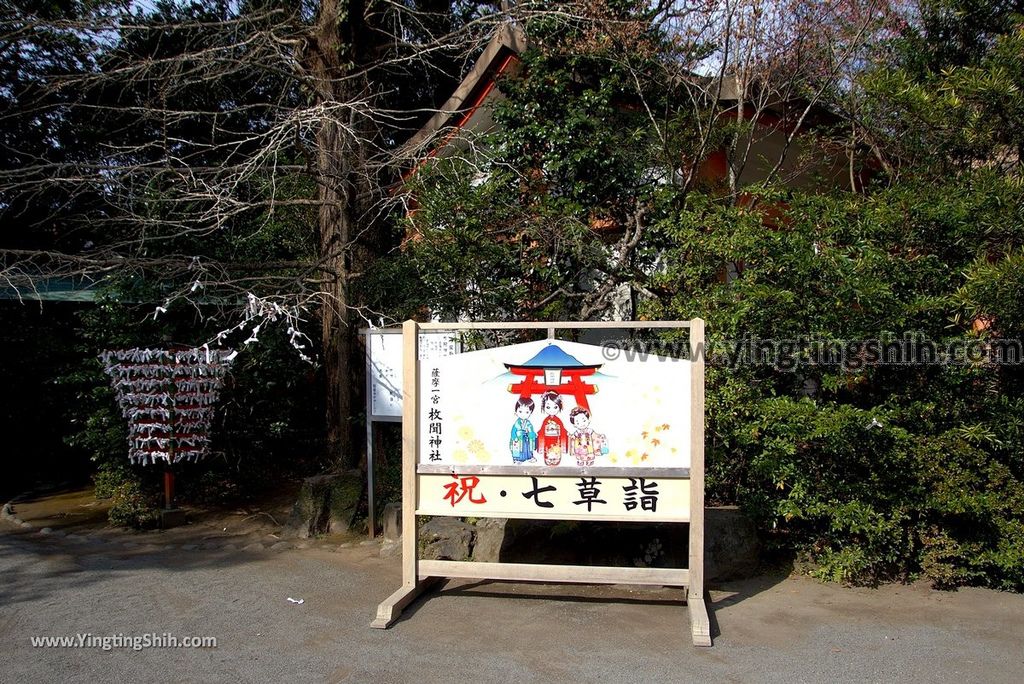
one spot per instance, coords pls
(509, 231)
(132, 507)
(992, 288)
(109, 477)
(872, 472)
(882, 472)
(964, 106)
(955, 33)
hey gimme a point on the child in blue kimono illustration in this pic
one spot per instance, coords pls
(524, 438)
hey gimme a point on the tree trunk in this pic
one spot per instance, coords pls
(335, 153)
(336, 331)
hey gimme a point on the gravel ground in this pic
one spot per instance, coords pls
(767, 629)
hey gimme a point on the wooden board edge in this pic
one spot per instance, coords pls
(571, 574)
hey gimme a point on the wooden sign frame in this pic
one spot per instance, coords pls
(417, 574)
(372, 417)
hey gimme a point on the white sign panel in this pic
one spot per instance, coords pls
(554, 404)
(650, 499)
(385, 367)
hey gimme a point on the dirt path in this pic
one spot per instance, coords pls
(77, 512)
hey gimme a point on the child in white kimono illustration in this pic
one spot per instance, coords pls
(584, 443)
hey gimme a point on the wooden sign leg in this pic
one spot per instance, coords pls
(700, 624)
(391, 607)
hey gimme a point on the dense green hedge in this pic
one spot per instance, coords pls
(873, 471)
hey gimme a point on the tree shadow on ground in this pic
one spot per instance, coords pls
(37, 567)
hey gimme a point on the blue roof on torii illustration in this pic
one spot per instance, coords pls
(552, 356)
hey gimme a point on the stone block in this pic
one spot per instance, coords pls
(393, 522)
(446, 539)
(732, 549)
(490, 537)
(172, 517)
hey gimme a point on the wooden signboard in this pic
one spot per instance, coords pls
(553, 430)
(384, 387)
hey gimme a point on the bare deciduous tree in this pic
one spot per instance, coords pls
(166, 140)
(202, 129)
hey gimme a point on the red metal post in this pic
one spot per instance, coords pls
(168, 488)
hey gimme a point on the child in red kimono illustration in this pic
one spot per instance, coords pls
(552, 438)
(585, 444)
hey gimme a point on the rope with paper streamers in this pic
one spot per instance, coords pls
(168, 398)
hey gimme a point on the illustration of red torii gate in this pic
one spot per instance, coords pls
(552, 369)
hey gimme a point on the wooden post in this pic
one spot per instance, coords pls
(370, 486)
(172, 436)
(700, 626)
(168, 488)
(410, 447)
(171, 516)
(389, 609)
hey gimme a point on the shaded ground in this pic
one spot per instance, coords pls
(73, 510)
(770, 628)
(77, 511)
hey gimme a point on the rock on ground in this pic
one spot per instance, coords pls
(446, 539)
(731, 546)
(490, 537)
(326, 503)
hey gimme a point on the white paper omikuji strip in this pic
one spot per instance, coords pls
(154, 430)
(151, 385)
(145, 412)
